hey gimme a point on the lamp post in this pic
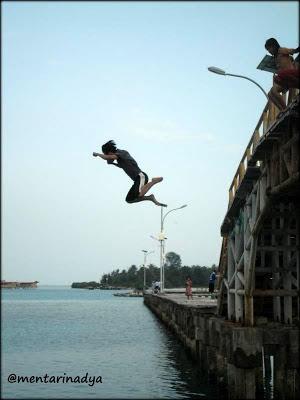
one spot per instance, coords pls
(162, 246)
(160, 256)
(222, 72)
(145, 256)
(157, 239)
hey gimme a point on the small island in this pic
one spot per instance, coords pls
(18, 285)
(95, 285)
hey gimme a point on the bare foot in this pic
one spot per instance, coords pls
(156, 180)
(152, 198)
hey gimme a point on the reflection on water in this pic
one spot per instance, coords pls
(63, 331)
(268, 370)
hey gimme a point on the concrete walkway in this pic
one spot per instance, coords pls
(199, 302)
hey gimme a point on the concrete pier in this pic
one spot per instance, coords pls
(231, 354)
(16, 284)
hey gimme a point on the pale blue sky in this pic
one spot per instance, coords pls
(76, 74)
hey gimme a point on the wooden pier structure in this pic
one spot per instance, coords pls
(259, 262)
(259, 265)
(248, 339)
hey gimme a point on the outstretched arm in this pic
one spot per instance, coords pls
(108, 157)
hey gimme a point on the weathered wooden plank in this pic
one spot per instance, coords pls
(241, 277)
(277, 248)
(277, 281)
(239, 246)
(293, 180)
(226, 283)
(271, 293)
(278, 232)
(268, 270)
(250, 213)
(252, 257)
(298, 259)
(267, 293)
(230, 272)
(287, 306)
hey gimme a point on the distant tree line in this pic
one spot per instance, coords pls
(84, 285)
(175, 274)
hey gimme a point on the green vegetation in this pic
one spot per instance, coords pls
(83, 285)
(175, 274)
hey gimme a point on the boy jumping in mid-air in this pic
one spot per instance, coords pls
(131, 168)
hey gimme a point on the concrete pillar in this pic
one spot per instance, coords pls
(291, 384)
(204, 326)
(259, 382)
(192, 345)
(203, 356)
(212, 363)
(213, 333)
(292, 364)
(220, 360)
(279, 372)
(240, 383)
(293, 349)
(231, 381)
(221, 352)
(247, 347)
(267, 365)
(250, 386)
(297, 386)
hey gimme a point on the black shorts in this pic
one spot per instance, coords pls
(211, 287)
(135, 190)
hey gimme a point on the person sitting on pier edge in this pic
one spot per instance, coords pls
(188, 288)
(156, 287)
(288, 73)
(211, 286)
(131, 168)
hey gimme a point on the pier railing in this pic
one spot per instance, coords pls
(266, 119)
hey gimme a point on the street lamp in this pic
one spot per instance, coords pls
(222, 72)
(145, 256)
(162, 246)
(157, 239)
(154, 238)
(165, 238)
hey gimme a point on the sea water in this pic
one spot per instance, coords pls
(107, 347)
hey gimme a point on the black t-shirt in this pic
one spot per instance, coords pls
(127, 163)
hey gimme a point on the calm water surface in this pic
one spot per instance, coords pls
(61, 331)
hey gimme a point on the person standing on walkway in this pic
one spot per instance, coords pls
(188, 288)
(153, 286)
(211, 286)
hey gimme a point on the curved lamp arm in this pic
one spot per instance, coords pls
(245, 77)
(178, 208)
(150, 253)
